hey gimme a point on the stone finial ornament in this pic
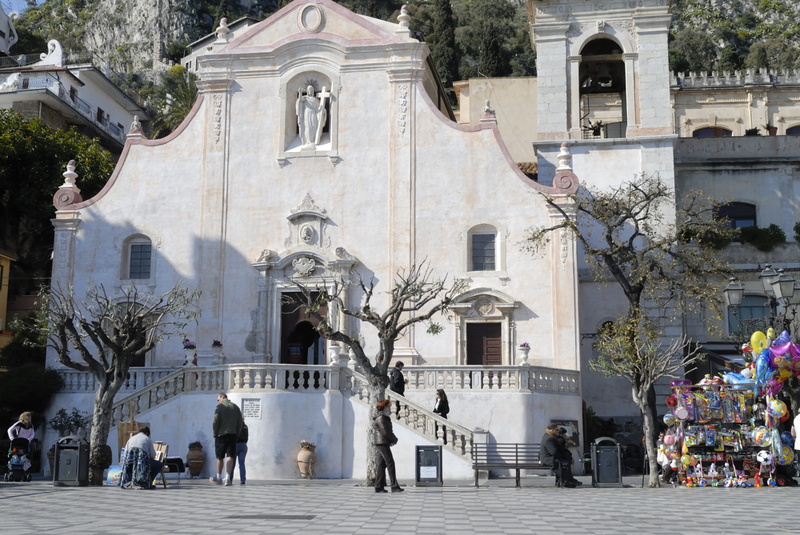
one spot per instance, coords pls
(403, 21)
(68, 193)
(222, 31)
(564, 159)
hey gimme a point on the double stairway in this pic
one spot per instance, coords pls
(152, 388)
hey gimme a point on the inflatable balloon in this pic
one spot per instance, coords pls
(669, 440)
(758, 341)
(784, 455)
(771, 335)
(733, 378)
(777, 408)
(761, 436)
(686, 459)
(783, 338)
(669, 420)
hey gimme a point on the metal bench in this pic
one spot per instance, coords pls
(509, 455)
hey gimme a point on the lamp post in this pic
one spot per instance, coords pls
(781, 290)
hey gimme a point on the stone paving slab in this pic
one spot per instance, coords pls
(347, 507)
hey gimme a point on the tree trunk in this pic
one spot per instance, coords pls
(99, 451)
(376, 393)
(642, 399)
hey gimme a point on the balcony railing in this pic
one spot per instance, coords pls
(30, 81)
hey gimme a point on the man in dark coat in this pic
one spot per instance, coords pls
(554, 453)
(397, 384)
(384, 439)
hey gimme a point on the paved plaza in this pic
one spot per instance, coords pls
(346, 506)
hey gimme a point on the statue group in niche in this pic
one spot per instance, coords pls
(311, 115)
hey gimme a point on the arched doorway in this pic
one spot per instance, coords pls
(300, 341)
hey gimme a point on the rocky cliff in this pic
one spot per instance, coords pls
(133, 35)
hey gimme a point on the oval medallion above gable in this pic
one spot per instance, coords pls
(311, 19)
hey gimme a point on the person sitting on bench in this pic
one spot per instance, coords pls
(555, 454)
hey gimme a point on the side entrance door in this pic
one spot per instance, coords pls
(484, 344)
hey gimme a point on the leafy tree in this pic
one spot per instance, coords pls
(174, 100)
(692, 51)
(772, 54)
(378, 9)
(29, 387)
(483, 27)
(33, 157)
(416, 297)
(659, 262)
(443, 42)
(108, 332)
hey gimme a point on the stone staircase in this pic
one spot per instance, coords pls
(161, 388)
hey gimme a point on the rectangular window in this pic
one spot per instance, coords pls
(483, 252)
(140, 261)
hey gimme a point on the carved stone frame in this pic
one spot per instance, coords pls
(484, 305)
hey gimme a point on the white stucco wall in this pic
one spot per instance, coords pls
(338, 425)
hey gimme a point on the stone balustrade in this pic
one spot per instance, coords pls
(260, 377)
(734, 79)
(147, 388)
(533, 378)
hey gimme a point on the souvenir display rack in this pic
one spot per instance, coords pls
(723, 435)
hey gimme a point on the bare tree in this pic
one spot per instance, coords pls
(416, 297)
(660, 261)
(108, 332)
(633, 348)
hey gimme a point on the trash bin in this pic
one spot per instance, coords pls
(429, 466)
(71, 462)
(606, 463)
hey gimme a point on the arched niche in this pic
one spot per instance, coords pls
(602, 86)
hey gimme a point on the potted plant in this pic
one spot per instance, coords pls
(189, 348)
(522, 352)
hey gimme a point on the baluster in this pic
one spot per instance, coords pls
(269, 379)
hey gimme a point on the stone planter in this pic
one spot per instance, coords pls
(522, 356)
(306, 459)
(195, 460)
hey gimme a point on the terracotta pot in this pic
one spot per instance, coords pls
(306, 458)
(195, 460)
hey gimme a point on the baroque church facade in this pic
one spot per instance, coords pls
(321, 149)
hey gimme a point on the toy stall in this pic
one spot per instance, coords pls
(729, 430)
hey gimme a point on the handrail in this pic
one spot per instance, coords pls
(419, 419)
(227, 378)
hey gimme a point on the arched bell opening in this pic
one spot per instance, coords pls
(602, 90)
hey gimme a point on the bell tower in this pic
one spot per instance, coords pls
(603, 69)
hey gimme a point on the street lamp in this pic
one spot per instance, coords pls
(780, 288)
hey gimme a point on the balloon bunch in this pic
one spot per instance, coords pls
(774, 360)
